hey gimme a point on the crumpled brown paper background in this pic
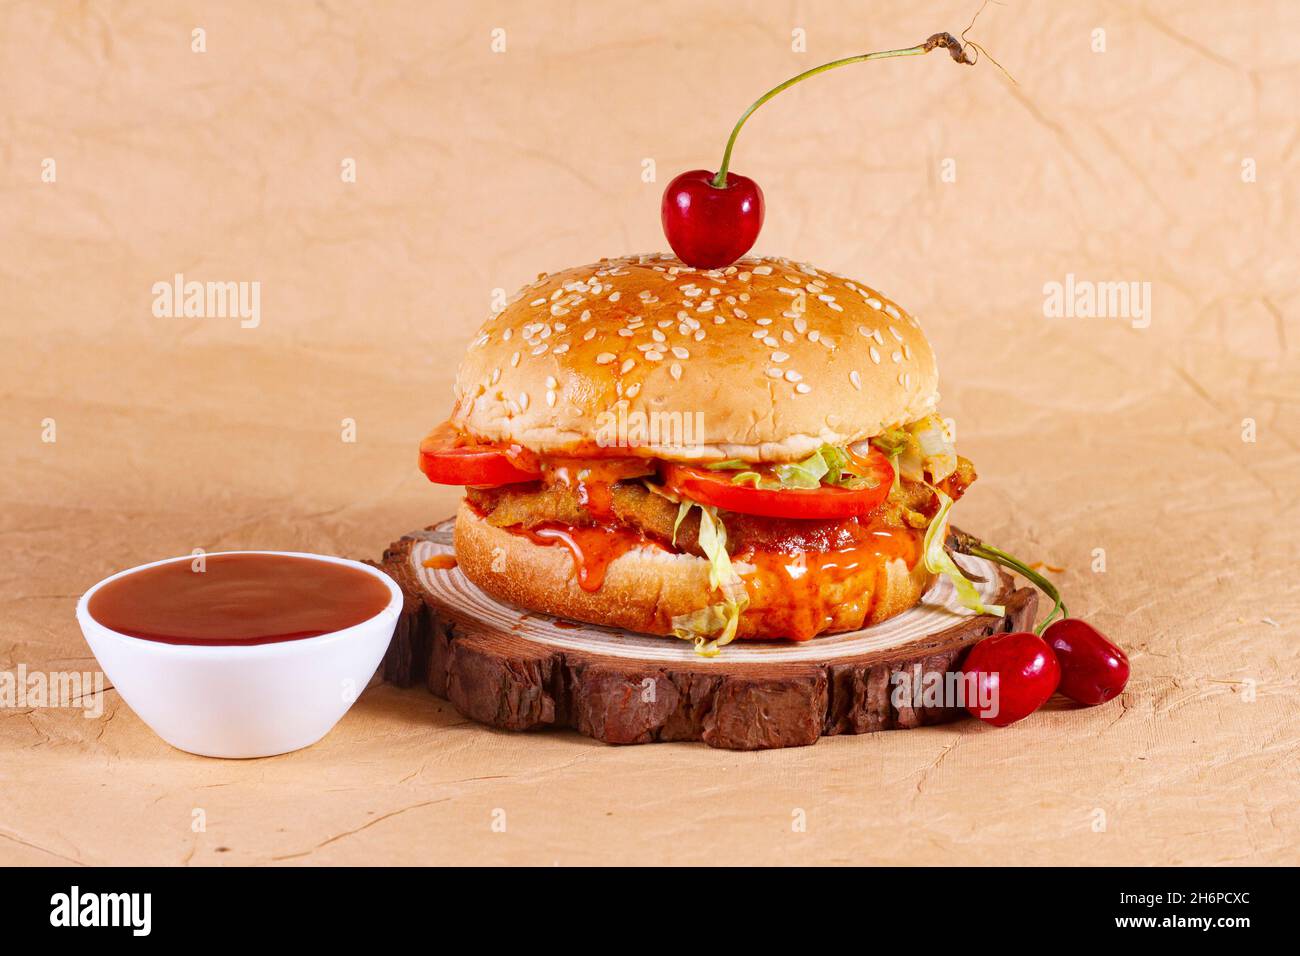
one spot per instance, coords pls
(474, 171)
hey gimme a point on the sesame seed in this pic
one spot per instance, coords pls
(505, 336)
(589, 335)
(875, 356)
(740, 313)
(540, 349)
(675, 371)
(523, 401)
(774, 373)
(856, 379)
(615, 296)
(551, 382)
(536, 302)
(779, 357)
(654, 356)
(814, 335)
(836, 306)
(764, 321)
(874, 303)
(801, 325)
(586, 316)
(633, 389)
(560, 349)
(770, 342)
(699, 335)
(658, 336)
(496, 376)
(627, 366)
(604, 358)
(803, 388)
(793, 376)
(787, 336)
(895, 333)
(680, 352)
(896, 356)
(762, 271)
(892, 311)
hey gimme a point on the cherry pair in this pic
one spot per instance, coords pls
(1016, 673)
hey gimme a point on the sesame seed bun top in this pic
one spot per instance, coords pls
(765, 360)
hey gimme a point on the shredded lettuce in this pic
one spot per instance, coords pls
(710, 627)
(891, 442)
(713, 626)
(917, 448)
(683, 509)
(804, 474)
(913, 451)
(836, 459)
(937, 455)
(939, 561)
(827, 465)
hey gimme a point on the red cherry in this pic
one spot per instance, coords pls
(709, 226)
(1014, 673)
(1093, 668)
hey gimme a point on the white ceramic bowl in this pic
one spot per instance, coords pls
(252, 700)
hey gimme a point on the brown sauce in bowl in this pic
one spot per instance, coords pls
(238, 599)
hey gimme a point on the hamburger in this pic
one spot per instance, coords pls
(751, 452)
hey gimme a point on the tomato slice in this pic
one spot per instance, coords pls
(449, 458)
(715, 488)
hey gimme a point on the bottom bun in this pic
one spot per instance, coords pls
(645, 588)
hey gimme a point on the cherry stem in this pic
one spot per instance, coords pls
(969, 544)
(945, 40)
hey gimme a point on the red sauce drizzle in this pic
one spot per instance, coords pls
(591, 480)
(593, 549)
(797, 593)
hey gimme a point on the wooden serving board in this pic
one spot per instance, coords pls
(518, 670)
